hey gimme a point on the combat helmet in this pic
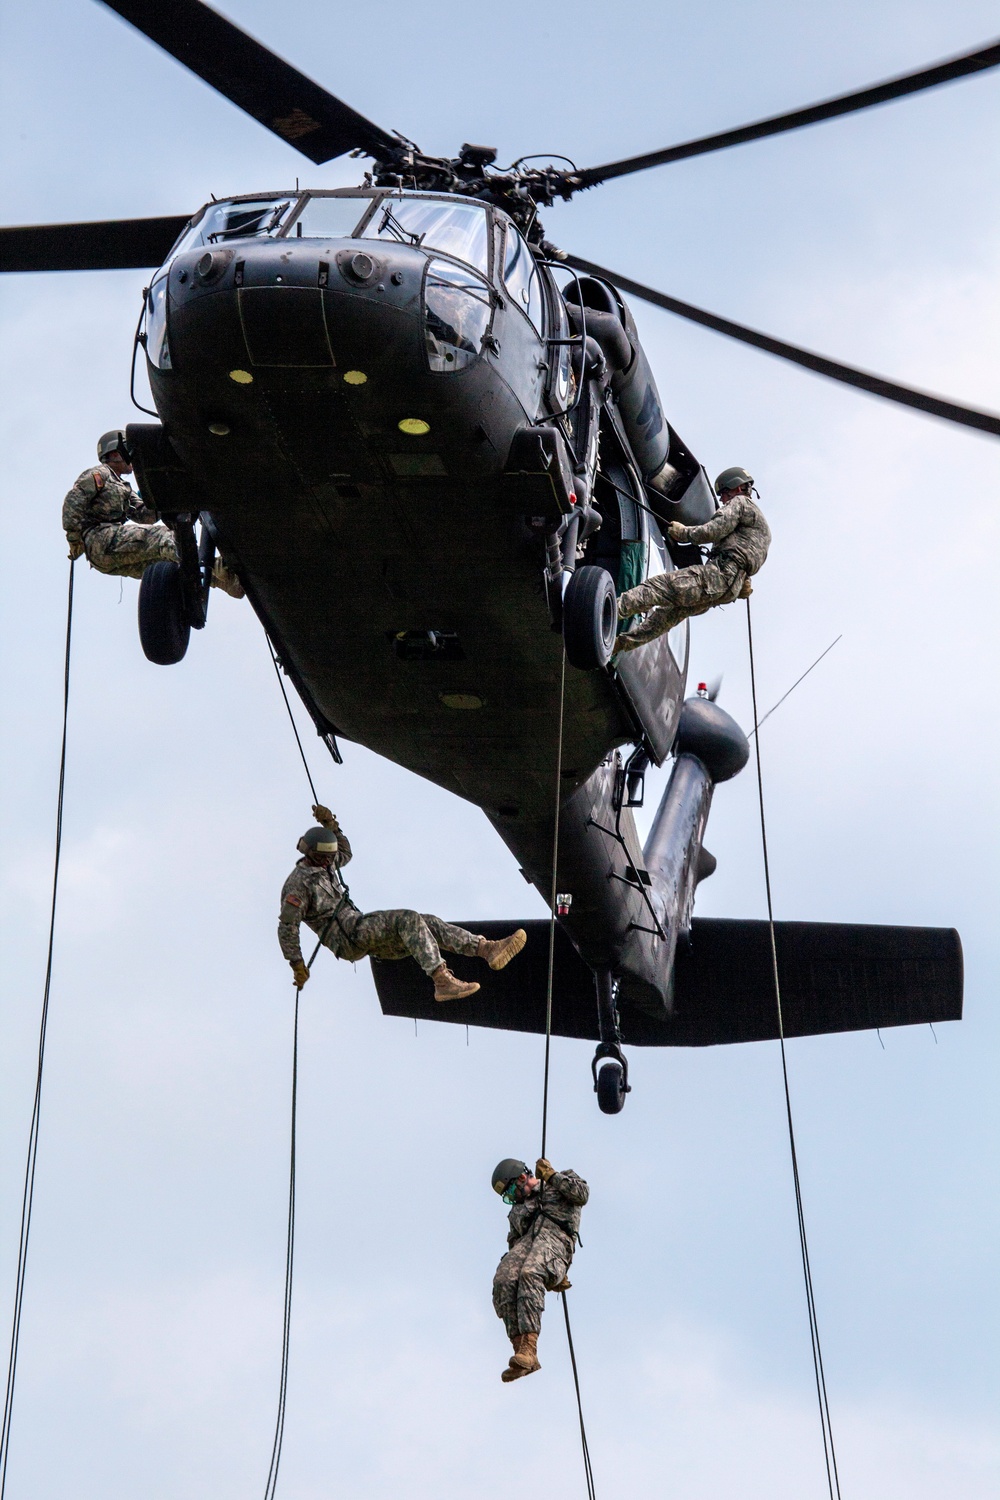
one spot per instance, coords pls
(506, 1172)
(732, 479)
(318, 841)
(112, 442)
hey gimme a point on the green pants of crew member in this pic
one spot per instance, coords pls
(127, 549)
(670, 598)
(401, 934)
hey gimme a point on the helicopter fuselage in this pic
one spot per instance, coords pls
(343, 408)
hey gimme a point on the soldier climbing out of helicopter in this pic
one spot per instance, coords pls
(544, 1229)
(106, 520)
(740, 538)
(315, 894)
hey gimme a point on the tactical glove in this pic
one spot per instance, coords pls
(300, 973)
(676, 530)
(324, 815)
(746, 590)
(544, 1169)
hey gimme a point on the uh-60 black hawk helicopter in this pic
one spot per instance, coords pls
(432, 448)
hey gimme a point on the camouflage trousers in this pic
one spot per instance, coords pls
(534, 1265)
(397, 934)
(127, 549)
(673, 597)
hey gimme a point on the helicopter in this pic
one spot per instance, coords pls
(356, 388)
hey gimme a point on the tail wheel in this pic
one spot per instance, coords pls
(590, 618)
(163, 629)
(611, 1089)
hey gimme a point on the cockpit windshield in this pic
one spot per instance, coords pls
(231, 220)
(328, 216)
(457, 229)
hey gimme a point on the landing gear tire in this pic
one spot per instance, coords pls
(611, 1088)
(590, 618)
(163, 630)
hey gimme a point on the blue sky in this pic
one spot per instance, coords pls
(151, 1332)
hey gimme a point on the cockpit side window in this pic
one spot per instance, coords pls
(521, 278)
(458, 229)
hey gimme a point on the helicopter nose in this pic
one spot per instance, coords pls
(296, 305)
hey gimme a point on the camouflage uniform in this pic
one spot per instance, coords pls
(104, 517)
(319, 898)
(542, 1237)
(741, 537)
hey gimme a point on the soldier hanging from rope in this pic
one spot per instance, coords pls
(106, 520)
(740, 538)
(315, 894)
(544, 1229)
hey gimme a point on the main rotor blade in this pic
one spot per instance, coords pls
(110, 245)
(843, 104)
(276, 94)
(875, 385)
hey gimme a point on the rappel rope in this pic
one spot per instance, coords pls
(279, 1431)
(291, 718)
(829, 1453)
(27, 1197)
(552, 903)
(286, 1322)
(588, 1471)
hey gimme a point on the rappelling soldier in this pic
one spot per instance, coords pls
(105, 520)
(740, 538)
(315, 894)
(544, 1228)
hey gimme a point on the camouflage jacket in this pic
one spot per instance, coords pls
(557, 1204)
(738, 531)
(313, 895)
(100, 497)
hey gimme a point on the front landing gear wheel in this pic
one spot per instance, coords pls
(163, 627)
(590, 618)
(611, 1088)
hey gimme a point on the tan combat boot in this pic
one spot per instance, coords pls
(447, 987)
(498, 952)
(513, 1371)
(525, 1358)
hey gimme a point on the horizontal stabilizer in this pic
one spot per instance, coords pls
(834, 977)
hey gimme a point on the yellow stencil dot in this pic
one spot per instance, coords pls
(462, 700)
(242, 377)
(414, 426)
(355, 377)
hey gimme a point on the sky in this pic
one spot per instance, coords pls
(152, 1318)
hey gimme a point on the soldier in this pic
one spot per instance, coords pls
(544, 1228)
(315, 894)
(104, 518)
(741, 538)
